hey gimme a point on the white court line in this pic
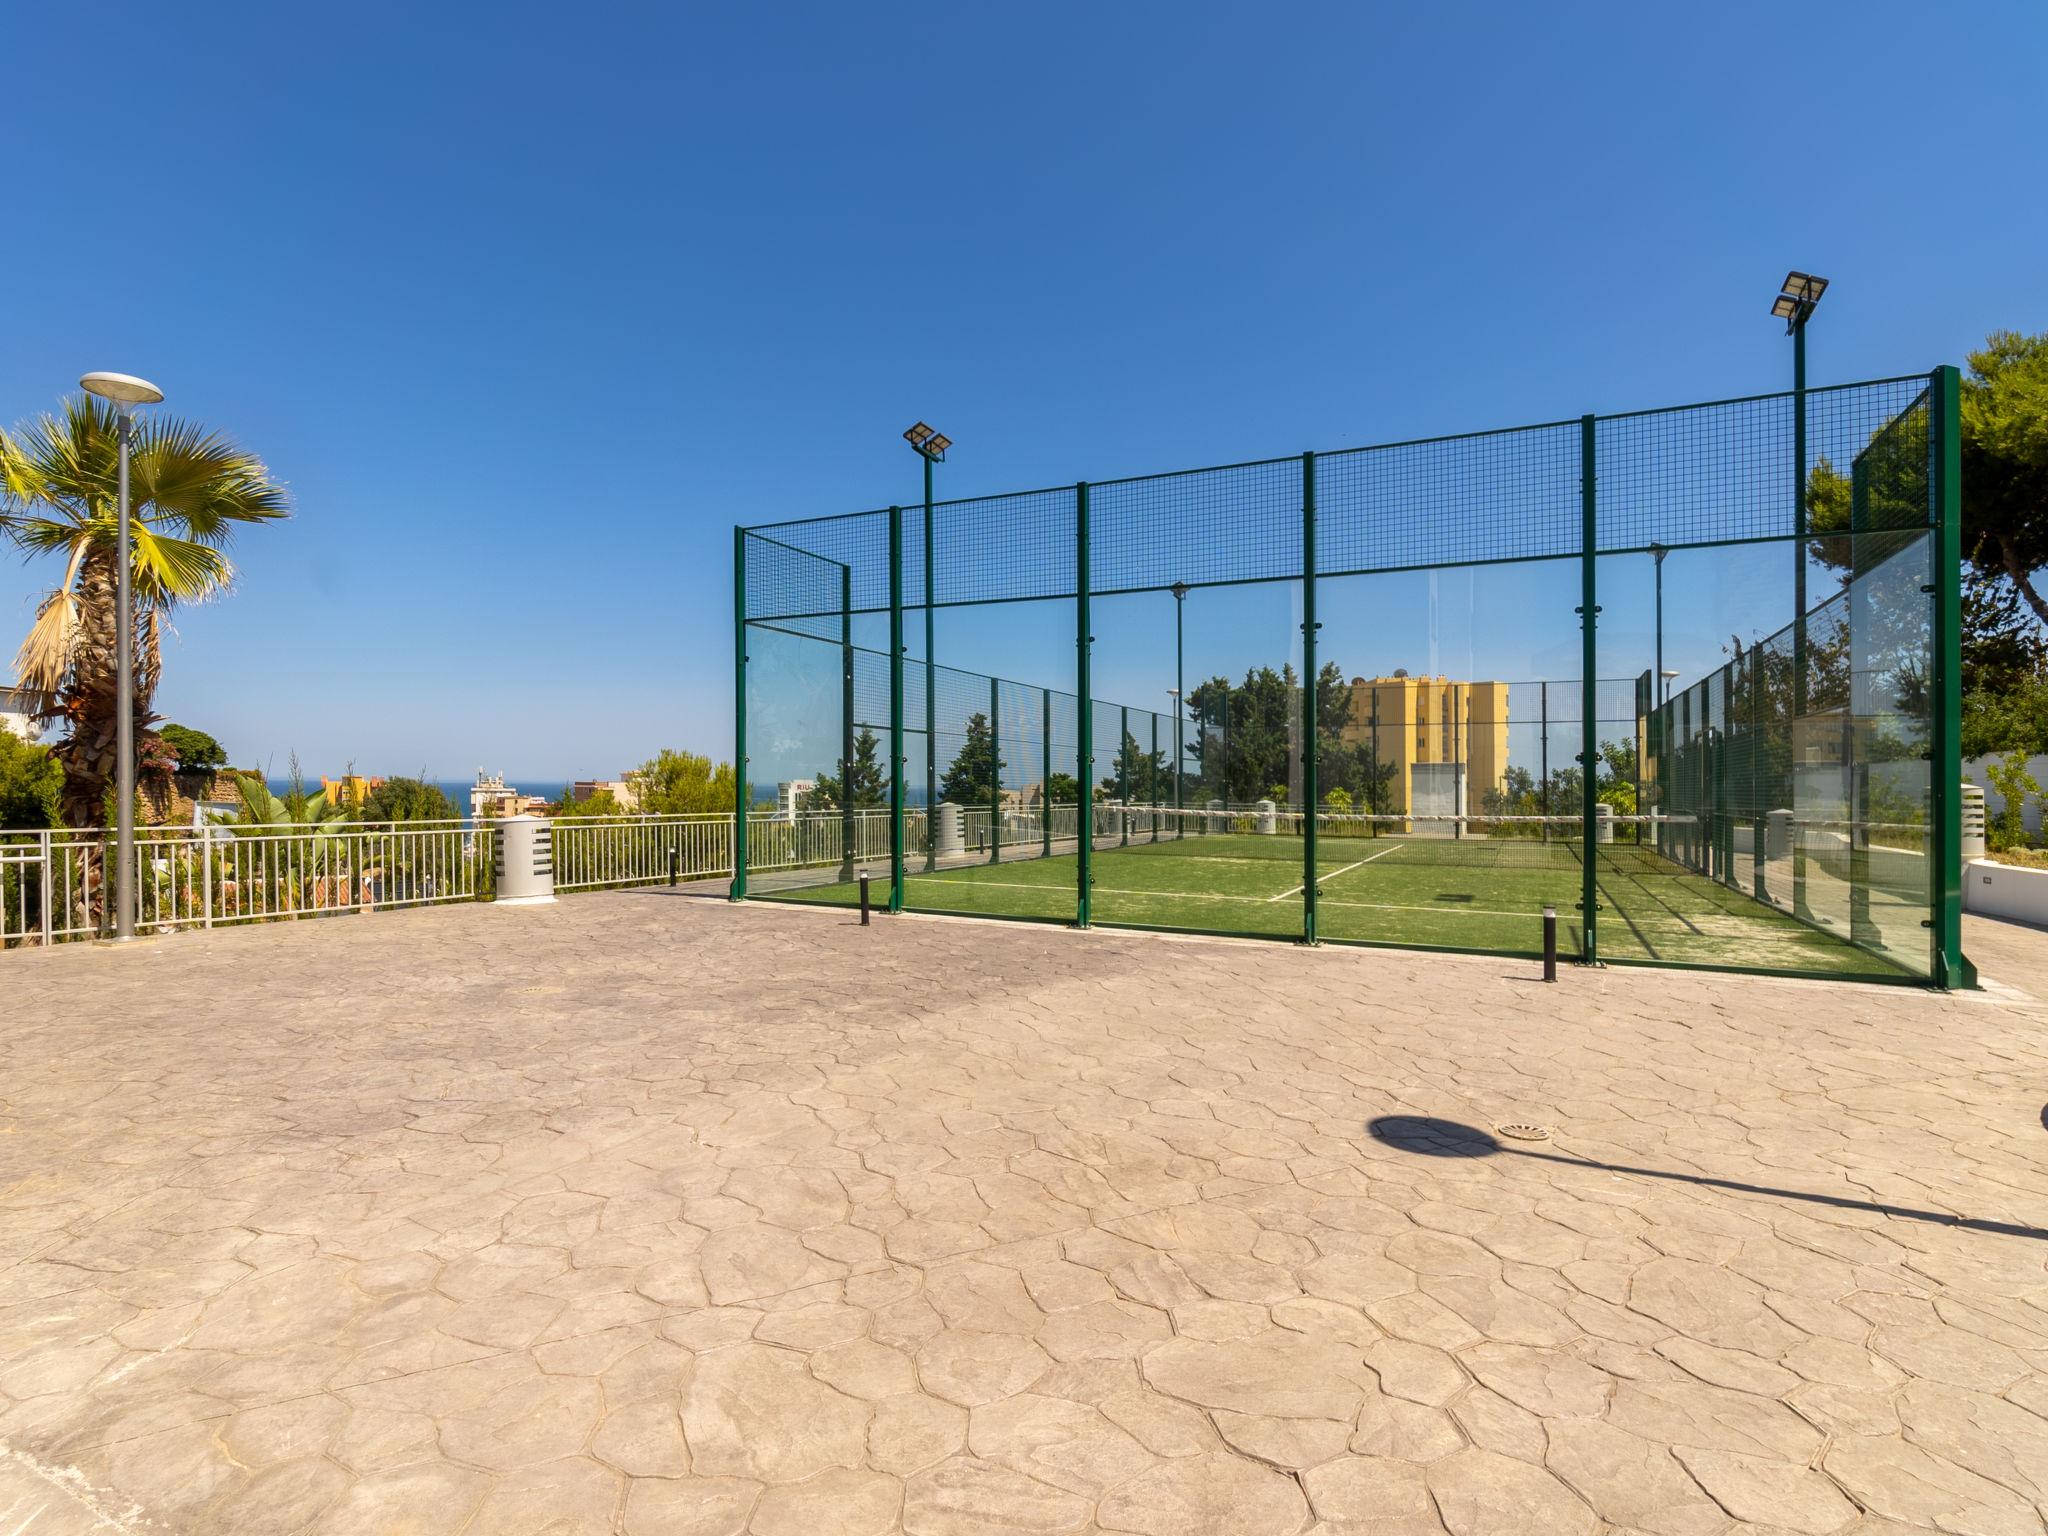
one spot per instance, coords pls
(1328, 901)
(1344, 871)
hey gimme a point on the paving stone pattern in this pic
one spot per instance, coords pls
(652, 1215)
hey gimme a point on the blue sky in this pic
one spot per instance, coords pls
(529, 304)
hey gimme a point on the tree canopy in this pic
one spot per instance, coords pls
(869, 788)
(2005, 461)
(407, 799)
(31, 784)
(673, 783)
(977, 770)
(196, 751)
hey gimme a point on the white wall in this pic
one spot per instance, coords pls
(1974, 769)
(2005, 890)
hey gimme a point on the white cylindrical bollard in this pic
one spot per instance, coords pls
(1973, 821)
(525, 861)
(1216, 822)
(946, 822)
(1269, 820)
(1603, 822)
(1778, 835)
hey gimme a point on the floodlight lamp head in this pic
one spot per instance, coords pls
(916, 436)
(936, 445)
(1797, 297)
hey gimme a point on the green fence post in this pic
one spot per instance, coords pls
(1045, 779)
(740, 787)
(1084, 757)
(896, 763)
(1310, 789)
(845, 722)
(1945, 762)
(995, 775)
(1152, 773)
(1123, 776)
(1759, 805)
(1724, 836)
(1589, 701)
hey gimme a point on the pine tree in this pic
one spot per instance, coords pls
(869, 790)
(975, 772)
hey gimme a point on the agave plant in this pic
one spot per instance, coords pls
(297, 810)
(190, 489)
(300, 857)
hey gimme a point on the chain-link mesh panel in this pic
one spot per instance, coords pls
(1796, 773)
(1242, 523)
(1000, 548)
(792, 588)
(1491, 496)
(1707, 474)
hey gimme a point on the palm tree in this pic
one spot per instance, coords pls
(189, 490)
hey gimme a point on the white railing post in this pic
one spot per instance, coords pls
(206, 873)
(45, 840)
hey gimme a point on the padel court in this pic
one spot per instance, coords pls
(1423, 891)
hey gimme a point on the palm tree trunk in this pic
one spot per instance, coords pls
(90, 707)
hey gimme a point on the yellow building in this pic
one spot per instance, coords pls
(1446, 741)
(351, 789)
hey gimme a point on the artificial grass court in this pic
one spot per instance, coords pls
(1416, 891)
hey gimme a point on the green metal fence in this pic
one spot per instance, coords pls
(1785, 803)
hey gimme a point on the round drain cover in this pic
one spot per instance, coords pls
(1521, 1130)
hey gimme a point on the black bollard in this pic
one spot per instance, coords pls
(864, 900)
(1550, 943)
(675, 866)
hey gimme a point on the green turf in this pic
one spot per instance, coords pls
(1485, 893)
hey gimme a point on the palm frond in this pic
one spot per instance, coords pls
(170, 570)
(45, 654)
(184, 479)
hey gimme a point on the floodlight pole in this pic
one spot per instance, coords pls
(1799, 511)
(931, 686)
(124, 690)
(1800, 907)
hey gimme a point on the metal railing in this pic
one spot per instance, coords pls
(53, 883)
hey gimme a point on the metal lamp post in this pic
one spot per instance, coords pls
(124, 392)
(1794, 305)
(931, 446)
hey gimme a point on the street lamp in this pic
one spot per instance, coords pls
(931, 446)
(124, 392)
(1668, 677)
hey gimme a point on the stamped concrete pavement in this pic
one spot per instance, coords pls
(659, 1216)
